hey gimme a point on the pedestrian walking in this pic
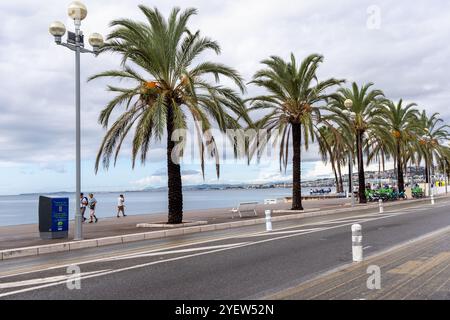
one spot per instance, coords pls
(92, 206)
(83, 204)
(121, 206)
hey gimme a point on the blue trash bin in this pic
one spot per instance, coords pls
(53, 217)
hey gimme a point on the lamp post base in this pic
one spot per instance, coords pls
(78, 228)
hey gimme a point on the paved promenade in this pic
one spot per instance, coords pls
(28, 235)
(419, 270)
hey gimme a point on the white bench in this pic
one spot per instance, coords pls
(270, 201)
(245, 207)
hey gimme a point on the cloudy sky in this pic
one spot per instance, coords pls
(401, 47)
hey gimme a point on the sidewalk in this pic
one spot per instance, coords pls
(418, 270)
(28, 235)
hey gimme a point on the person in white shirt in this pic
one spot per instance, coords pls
(121, 205)
(92, 205)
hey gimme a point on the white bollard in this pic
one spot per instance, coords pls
(268, 220)
(380, 204)
(357, 249)
(432, 199)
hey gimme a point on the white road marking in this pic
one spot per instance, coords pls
(283, 232)
(24, 283)
(153, 254)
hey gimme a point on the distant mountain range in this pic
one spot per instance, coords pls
(417, 173)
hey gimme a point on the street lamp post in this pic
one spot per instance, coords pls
(352, 116)
(75, 42)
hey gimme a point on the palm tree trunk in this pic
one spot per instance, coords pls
(174, 177)
(379, 171)
(447, 169)
(427, 171)
(400, 178)
(341, 183)
(296, 167)
(431, 170)
(361, 175)
(333, 167)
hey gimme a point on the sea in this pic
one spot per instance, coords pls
(23, 209)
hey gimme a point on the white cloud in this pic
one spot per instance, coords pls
(150, 181)
(56, 167)
(159, 179)
(319, 170)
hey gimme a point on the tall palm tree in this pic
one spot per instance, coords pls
(332, 147)
(344, 144)
(294, 93)
(444, 162)
(399, 125)
(169, 86)
(431, 145)
(358, 120)
(379, 150)
(327, 151)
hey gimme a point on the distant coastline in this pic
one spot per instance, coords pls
(416, 173)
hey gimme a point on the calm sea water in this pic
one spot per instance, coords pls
(23, 209)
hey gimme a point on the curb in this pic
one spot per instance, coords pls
(99, 242)
(171, 226)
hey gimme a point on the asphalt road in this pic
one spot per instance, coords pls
(244, 263)
(419, 270)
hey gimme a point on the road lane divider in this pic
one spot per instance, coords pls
(357, 249)
(268, 220)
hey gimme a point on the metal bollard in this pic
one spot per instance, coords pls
(268, 220)
(380, 204)
(432, 199)
(357, 249)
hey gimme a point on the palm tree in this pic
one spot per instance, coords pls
(332, 147)
(444, 163)
(431, 143)
(378, 150)
(293, 95)
(169, 87)
(399, 123)
(327, 151)
(357, 120)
